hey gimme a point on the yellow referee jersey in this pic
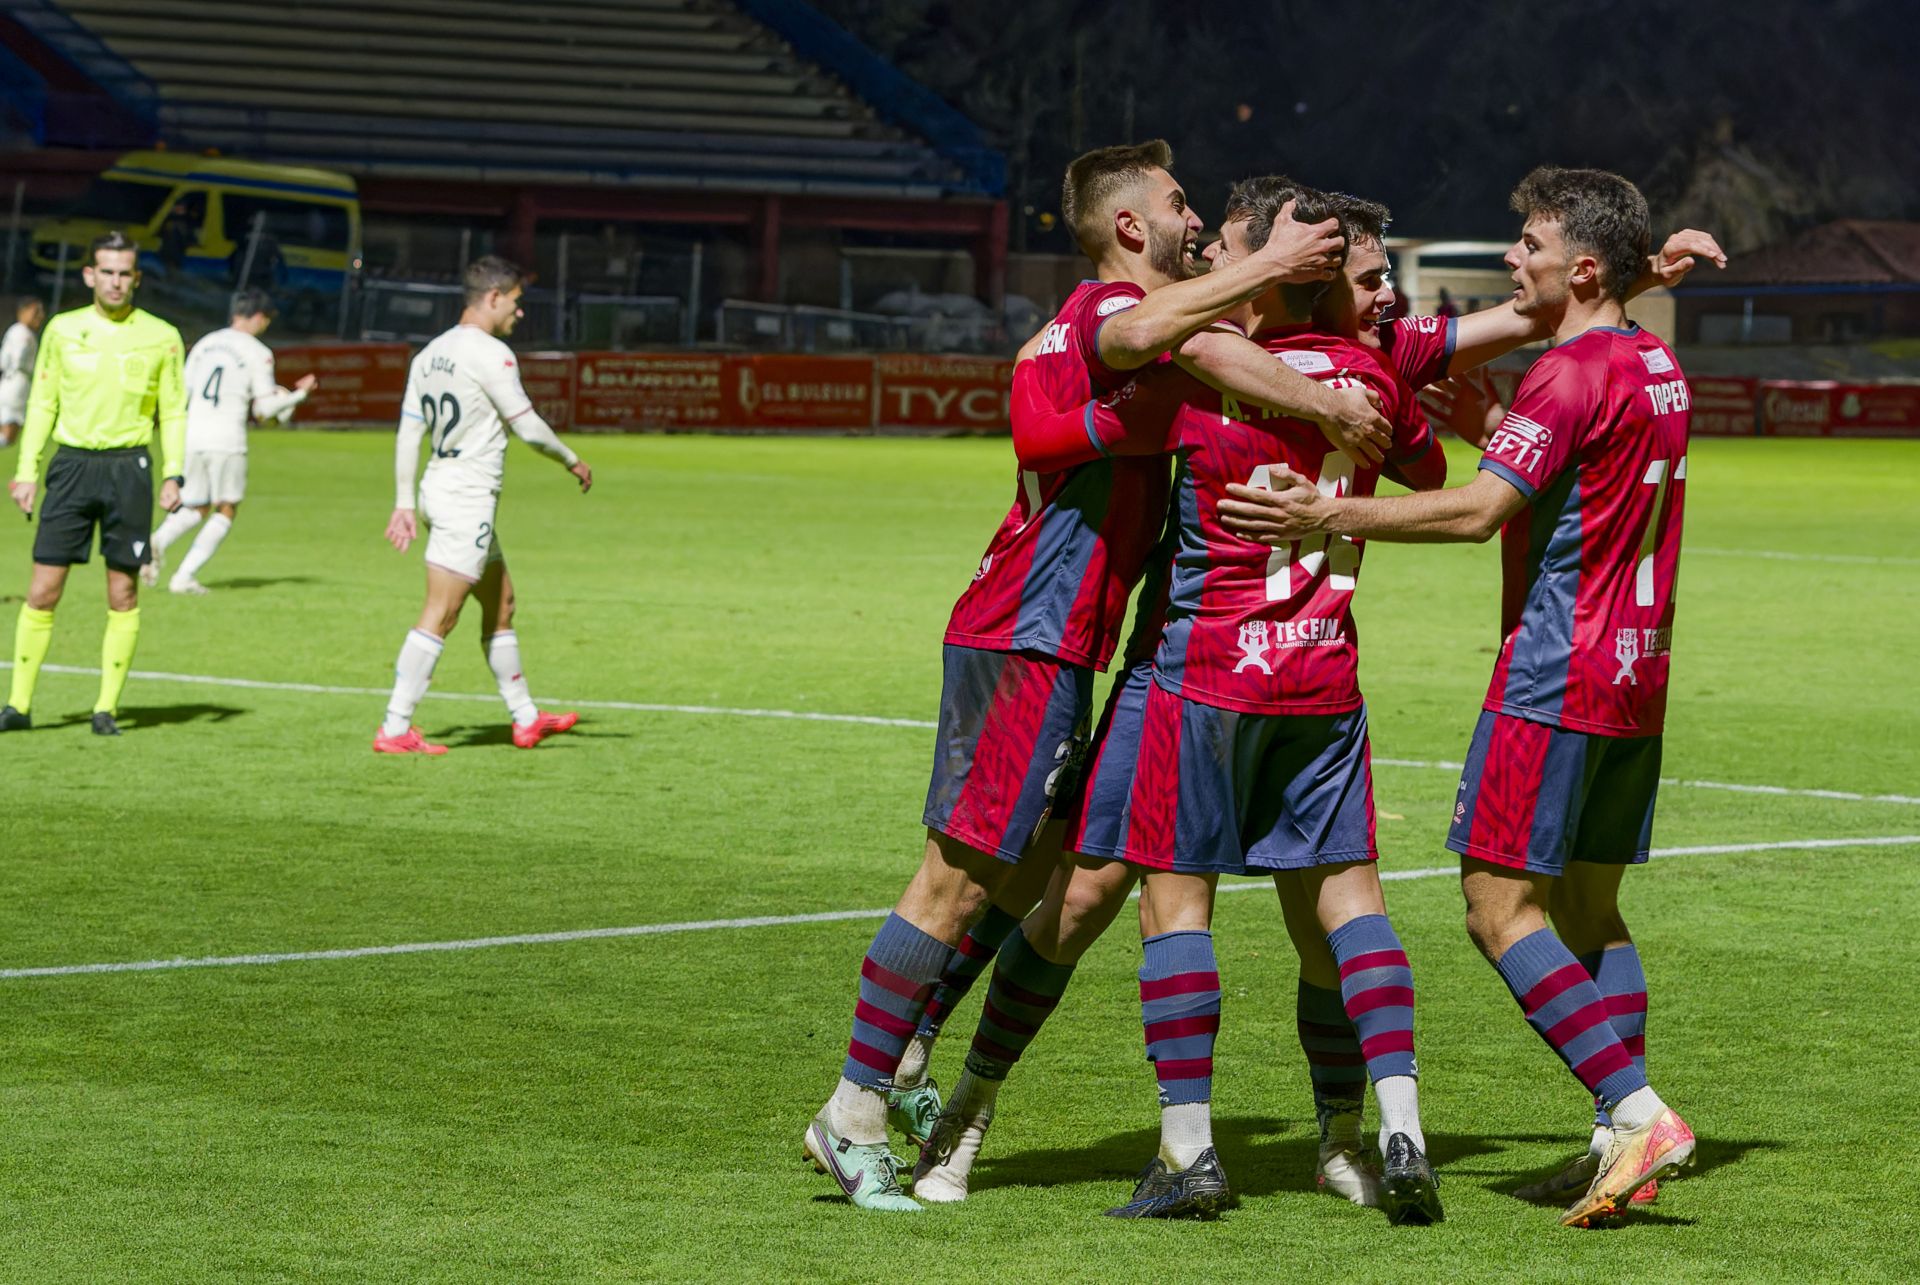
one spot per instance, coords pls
(101, 384)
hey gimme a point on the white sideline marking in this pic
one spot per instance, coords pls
(781, 921)
(1780, 556)
(870, 720)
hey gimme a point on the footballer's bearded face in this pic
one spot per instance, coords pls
(1541, 264)
(1360, 297)
(1172, 229)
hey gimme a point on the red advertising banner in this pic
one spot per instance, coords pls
(965, 393)
(624, 390)
(1876, 410)
(785, 390)
(1790, 409)
(1723, 407)
(548, 378)
(359, 383)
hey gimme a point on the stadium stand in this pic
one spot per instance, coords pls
(671, 93)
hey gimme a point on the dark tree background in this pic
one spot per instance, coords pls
(1753, 119)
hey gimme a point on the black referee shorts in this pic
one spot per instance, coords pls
(112, 490)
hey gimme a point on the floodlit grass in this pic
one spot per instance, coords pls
(631, 1108)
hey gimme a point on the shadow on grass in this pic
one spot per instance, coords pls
(1262, 1154)
(259, 582)
(161, 715)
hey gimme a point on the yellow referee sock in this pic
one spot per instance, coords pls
(116, 657)
(31, 638)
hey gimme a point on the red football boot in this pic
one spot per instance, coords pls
(408, 742)
(541, 728)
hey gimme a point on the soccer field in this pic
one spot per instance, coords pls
(630, 1106)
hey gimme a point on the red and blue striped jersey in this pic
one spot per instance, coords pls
(1249, 628)
(1597, 440)
(1056, 576)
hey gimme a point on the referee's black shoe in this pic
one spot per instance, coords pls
(12, 720)
(103, 724)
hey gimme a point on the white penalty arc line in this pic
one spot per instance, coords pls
(868, 720)
(783, 921)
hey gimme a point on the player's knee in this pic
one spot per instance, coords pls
(1487, 928)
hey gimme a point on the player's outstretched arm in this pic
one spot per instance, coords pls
(1350, 418)
(1295, 252)
(1295, 507)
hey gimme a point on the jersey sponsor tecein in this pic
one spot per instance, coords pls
(1597, 440)
(1249, 628)
(227, 371)
(1056, 576)
(465, 388)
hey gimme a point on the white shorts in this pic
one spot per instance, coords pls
(214, 477)
(13, 398)
(460, 536)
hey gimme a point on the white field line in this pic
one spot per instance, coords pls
(870, 720)
(1777, 555)
(781, 921)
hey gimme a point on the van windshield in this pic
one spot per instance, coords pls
(114, 200)
(320, 227)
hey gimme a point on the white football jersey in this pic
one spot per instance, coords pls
(465, 387)
(17, 354)
(228, 374)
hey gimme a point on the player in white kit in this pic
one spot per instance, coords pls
(463, 395)
(229, 376)
(17, 354)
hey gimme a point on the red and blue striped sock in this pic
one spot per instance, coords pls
(896, 980)
(1622, 983)
(1376, 986)
(1564, 1006)
(1332, 1046)
(970, 958)
(1180, 1006)
(1021, 995)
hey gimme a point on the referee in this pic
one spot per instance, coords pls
(106, 373)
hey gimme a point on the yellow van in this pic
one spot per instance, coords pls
(194, 214)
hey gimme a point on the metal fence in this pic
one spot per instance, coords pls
(416, 311)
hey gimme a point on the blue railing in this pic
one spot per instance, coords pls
(897, 97)
(129, 88)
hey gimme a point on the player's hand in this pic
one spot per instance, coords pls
(580, 470)
(306, 383)
(1679, 255)
(401, 529)
(22, 493)
(1292, 508)
(1301, 252)
(169, 495)
(1355, 425)
(1468, 406)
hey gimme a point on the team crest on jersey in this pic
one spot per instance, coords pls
(1116, 304)
(1626, 650)
(1253, 648)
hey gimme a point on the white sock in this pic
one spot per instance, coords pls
(178, 523)
(205, 545)
(1399, 1099)
(503, 654)
(913, 1064)
(411, 675)
(1185, 1131)
(1602, 1139)
(857, 1113)
(1636, 1109)
(974, 1095)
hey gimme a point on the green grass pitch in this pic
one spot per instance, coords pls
(631, 1108)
